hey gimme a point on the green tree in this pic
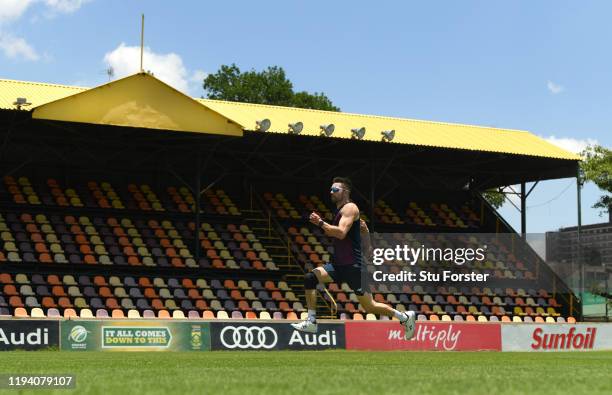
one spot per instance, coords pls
(494, 197)
(316, 101)
(270, 86)
(596, 167)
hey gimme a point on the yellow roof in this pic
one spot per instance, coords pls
(245, 115)
(407, 131)
(140, 101)
(37, 93)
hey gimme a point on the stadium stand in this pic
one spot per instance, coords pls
(137, 227)
(97, 220)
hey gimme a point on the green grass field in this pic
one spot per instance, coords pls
(321, 372)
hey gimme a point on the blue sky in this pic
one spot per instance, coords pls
(539, 66)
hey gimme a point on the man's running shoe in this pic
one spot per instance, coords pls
(409, 324)
(306, 326)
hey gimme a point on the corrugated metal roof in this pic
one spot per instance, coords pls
(407, 131)
(35, 92)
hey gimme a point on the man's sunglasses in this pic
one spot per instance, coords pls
(335, 189)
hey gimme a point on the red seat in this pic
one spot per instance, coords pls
(48, 302)
(6, 278)
(15, 301)
(10, 290)
(100, 281)
(150, 293)
(144, 282)
(229, 284)
(187, 283)
(194, 294)
(235, 294)
(276, 295)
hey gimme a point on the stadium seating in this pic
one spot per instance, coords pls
(102, 194)
(313, 248)
(64, 240)
(110, 240)
(132, 297)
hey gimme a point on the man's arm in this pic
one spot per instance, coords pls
(365, 238)
(348, 215)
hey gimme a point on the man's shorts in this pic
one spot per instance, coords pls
(350, 274)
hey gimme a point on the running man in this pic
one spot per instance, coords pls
(346, 230)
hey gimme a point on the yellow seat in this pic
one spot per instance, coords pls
(133, 313)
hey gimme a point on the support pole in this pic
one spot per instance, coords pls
(523, 211)
(141, 42)
(607, 292)
(198, 187)
(372, 191)
(579, 241)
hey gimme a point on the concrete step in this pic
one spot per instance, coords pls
(277, 247)
(252, 211)
(268, 238)
(257, 220)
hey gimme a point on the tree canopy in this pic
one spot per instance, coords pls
(494, 197)
(270, 86)
(596, 167)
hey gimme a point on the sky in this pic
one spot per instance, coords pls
(544, 67)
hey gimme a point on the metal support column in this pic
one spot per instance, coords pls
(197, 196)
(372, 191)
(523, 211)
(578, 240)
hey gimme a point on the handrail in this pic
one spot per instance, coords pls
(280, 230)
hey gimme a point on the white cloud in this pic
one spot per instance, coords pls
(198, 76)
(17, 47)
(65, 6)
(554, 88)
(196, 81)
(570, 144)
(12, 9)
(169, 68)
(14, 47)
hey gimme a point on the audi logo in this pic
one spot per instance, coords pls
(248, 337)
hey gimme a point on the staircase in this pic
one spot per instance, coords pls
(277, 244)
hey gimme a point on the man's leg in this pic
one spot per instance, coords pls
(317, 275)
(407, 319)
(311, 279)
(371, 306)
